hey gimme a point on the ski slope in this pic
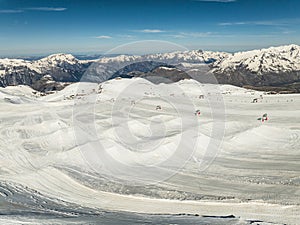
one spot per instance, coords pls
(104, 152)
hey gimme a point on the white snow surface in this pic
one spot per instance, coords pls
(254, 175)
(273, 59)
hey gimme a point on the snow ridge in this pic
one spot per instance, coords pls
(270, 60)
(8, 66)
(194, 56)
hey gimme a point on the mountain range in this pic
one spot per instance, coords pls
(275, 68)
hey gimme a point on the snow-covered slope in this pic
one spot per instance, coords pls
(83, 151)
(61, 67)
(195, 56)
(56, 60)
(271, 60)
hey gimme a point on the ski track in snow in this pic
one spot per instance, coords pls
(44, 177)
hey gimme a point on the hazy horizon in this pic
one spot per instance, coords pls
(91, 54)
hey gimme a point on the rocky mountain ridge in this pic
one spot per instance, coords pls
(275, 66)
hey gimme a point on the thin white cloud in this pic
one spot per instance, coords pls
(191, 35)
(126, 36)
(288, 32)
(283, 22)
(232, 24)
(264, 23)
(103, 37)
(150, 31)
(196, 34)
(47, 9)
(8, 11)
(176, 35)
(222, 1)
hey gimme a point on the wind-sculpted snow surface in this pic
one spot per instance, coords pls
(127, 151)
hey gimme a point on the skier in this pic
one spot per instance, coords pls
(198, 112)
(264, 118)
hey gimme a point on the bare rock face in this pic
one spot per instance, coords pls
(165, 74)
(47, 84)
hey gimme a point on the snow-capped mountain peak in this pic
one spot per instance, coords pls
(269, 60)
(194, 56)
(264, 67)
(58, 59)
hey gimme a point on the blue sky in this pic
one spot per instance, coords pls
(30, 27)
